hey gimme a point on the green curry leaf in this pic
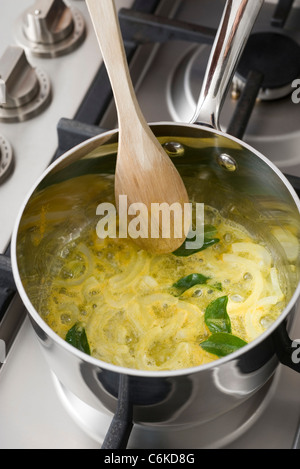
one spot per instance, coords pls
(222, 344)
(77, 337)
(189, 281)
(216, 316)
(209, 240)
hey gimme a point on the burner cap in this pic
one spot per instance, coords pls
(274, 55)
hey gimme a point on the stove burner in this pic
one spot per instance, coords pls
(276, 57)
(216, 433)
(6, 159)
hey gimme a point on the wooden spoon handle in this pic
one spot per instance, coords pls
(107, 28)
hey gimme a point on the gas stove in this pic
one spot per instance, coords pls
(54, 93)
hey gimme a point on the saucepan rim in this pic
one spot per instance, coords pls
(132, 371)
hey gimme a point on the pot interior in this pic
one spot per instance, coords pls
(249, 191)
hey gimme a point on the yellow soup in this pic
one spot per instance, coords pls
(163, 312)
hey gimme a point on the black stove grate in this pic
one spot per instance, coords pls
(282, 12)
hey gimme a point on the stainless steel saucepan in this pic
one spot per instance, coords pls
(229, 175)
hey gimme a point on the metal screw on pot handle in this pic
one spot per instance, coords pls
(237, 22)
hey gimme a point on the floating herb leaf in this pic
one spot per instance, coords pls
(216, 316)
(209, 240)
(222, 344)
(76, 336)
(189, 281)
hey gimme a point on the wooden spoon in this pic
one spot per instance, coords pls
(144, 171)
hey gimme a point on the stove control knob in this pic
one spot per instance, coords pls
(25, 91)
(6, 159)
(50, 28)
(48, 22)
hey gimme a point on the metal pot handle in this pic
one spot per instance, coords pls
(237, 22)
